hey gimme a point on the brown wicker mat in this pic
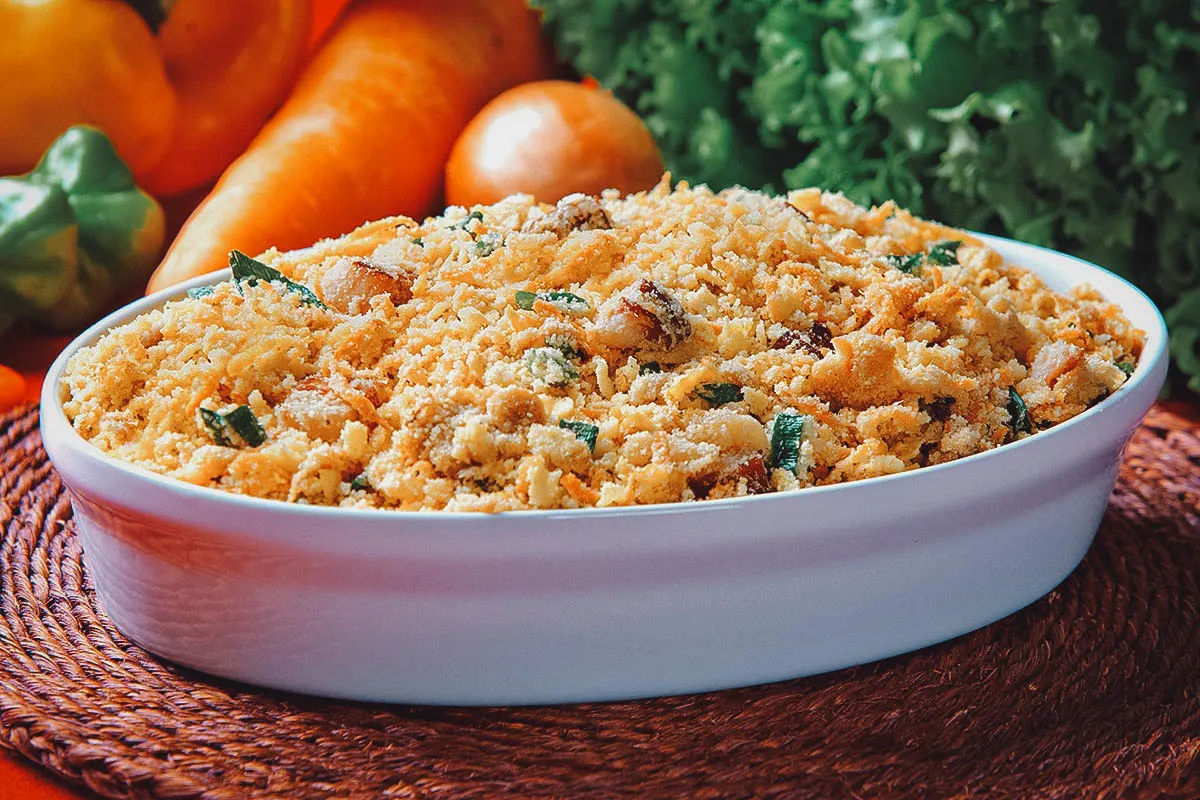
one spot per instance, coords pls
(1092, 692)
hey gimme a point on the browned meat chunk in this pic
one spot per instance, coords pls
(644, 315)
(350, 284)
(316, 409)
(727, 481)
(814, 341)
(575, 212)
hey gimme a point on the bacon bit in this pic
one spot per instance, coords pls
(701, 485)
(350, 284)
(318, 410)
(815, 341)
(939, 408)
(644, 313)
(578, 490)
(575, 212)
(753, 470)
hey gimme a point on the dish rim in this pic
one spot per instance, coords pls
(1153, 352)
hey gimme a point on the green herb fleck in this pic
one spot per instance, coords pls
(1126, 367)
(361, 482)
(488, 243)
(199, 291)
(649, 368)
(246, 425)
(466, 221)
(419, 242)
(251, 271)
(216, 426)
(586, 432)
(240, 421)
(785, 440)
(718, 394)
(566, 344)
(564, 301)
(944, 254)
(1018, 413)
(908, 264)
(550, 365)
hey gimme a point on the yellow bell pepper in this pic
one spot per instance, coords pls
(179, 103)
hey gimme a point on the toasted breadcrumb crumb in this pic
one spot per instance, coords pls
(427, 386)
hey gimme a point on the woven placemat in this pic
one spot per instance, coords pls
(1092, 692)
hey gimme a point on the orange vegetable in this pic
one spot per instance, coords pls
(68, 62)
(550, 139)
(12, 388)
(230, 64)
(178, 102)
(324, 12)
(366, 131)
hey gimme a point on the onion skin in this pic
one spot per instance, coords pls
(550, 139)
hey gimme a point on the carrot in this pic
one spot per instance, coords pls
(12, 388)
(367, 130)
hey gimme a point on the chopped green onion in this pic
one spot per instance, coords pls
(200, 291)
(488, 243)
(462, 225)
(361, 482)
(419, 242)
(216, 426)
(571, 303)
(1126, 367)
(649, 368)
(718, 394)
(252, 271)
(908, 264)
(586, 432)
(246, 425)
(1018, 413)
(944, 254)
(564, 301)
(786, 433)
(240, 421)
(566, 344)
(550, 365)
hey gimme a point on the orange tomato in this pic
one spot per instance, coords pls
(12, 388)
(549, 139)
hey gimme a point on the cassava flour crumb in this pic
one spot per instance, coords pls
(669, 346)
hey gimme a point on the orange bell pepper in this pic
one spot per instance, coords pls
(325, 12)
(12, 388)
(231, 65)
(179, 104)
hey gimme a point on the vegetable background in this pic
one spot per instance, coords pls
(1070, 124)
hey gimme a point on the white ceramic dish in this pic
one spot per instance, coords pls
(554, 606)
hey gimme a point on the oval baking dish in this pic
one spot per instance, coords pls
(597, 604)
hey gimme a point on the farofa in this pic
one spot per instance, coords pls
(432, 384)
